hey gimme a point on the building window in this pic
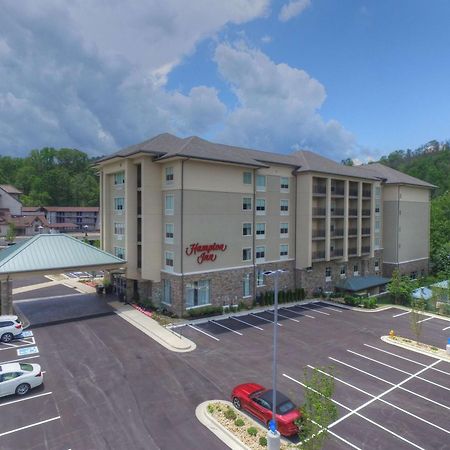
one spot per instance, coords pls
(169, 175)
(247, 204)
(284, 184)
(261, 183)
(167, 292)
(246, 229)
(260, 254)
(246, 285)
(377, 243)
(377, 191)
(119, 204)
(168, 204)
(377, 225)
(356, 270)
(260, 206)
(197, 293)
(247, 177)
(246, 254)
(168, 261)
(119, 229)
(343, 271)
(168, 236)
(284, 230)
(284, 207)
(284, 251)
(260, 278)
(327, 273)
(119, 252)
(119, 178)
(377, 205)
(260, 230)
(376, 265)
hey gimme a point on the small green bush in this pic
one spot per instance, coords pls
(230, 414)
(204, 311)
(351, 301)
(263, 441)
(210, 409)
(252, 431)
(239, 422)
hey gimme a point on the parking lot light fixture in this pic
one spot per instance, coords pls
(273, 435)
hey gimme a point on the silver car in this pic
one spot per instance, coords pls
(19, 378)
(10, 327)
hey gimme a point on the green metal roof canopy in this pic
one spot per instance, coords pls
(356, 284)
(46, 253)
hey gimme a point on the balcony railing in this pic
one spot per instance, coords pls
(353, 212)
(365, 249)
(337, 252)
(337, 211)
(319, 189)
(318, 255)
(318, 233)
(337, 191)
(339, 232)
(366, 212)
(353, 192)
(352, 251)
(365, 231)
(319, 211)
(352, 231)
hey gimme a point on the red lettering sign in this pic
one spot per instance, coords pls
(205, 252)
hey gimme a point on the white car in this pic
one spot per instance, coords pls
(10, 327)
(19, 378)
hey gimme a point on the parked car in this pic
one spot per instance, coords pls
(257, 400)
(10, 327)
(19, 378)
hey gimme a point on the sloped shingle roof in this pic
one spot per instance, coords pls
(356, 284)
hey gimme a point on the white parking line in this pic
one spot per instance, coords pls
(307, 309)
(446, 328)
(19, 359)
(424, 320)
(406, 359)
(351, 412)
(204, 332)
(223, 326)
(25, 399)
(25, 344)
(263, 318)
(328, 307)
(403, 371)
(289, 318)
(401, 314)
(297, 313)
(388, 382)
(383, 401)
(10, 345)
(30, 426)
(246, 323)
(315, 310)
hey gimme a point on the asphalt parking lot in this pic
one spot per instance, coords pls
(109, 386)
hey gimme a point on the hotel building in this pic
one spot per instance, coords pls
(199, 222)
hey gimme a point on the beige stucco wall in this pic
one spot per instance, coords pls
(8, 201)
(304, 225)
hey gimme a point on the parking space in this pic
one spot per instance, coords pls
(432, 322)
(25, 415)
(387, 397)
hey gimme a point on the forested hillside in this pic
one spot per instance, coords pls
(431, 163)
(52, 177)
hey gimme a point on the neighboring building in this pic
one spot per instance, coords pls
(199, 222)
(10, 199)
(68, 218)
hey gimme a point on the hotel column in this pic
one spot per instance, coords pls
(359, 225)
(346, 200)
(328, 220)
(372, 220)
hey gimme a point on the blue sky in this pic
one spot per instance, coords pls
(347, 78)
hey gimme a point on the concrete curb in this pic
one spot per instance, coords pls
(153, 329)
(415, 349)
(218, 429)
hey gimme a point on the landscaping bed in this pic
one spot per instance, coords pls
(418, 347)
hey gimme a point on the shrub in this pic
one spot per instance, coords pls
(204, 311)
(300, 294)
(252, 431)
(147, 304)
(210, 409)
(229, 414)
(263, 441)
(239, 422)
(351, 301)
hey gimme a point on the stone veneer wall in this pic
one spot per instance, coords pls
(407, 268)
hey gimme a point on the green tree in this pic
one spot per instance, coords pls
(347, 162)
(400, 287)
(318, 410)
(416, 317)
(11, 233)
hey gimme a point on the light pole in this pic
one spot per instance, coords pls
(273, 435)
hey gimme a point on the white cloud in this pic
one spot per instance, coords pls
(266, 39)
(278, 105)
(93, 74)
(292, 9)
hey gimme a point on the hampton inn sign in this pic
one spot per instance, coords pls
(205, 252)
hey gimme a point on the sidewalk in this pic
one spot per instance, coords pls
(152, 328)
